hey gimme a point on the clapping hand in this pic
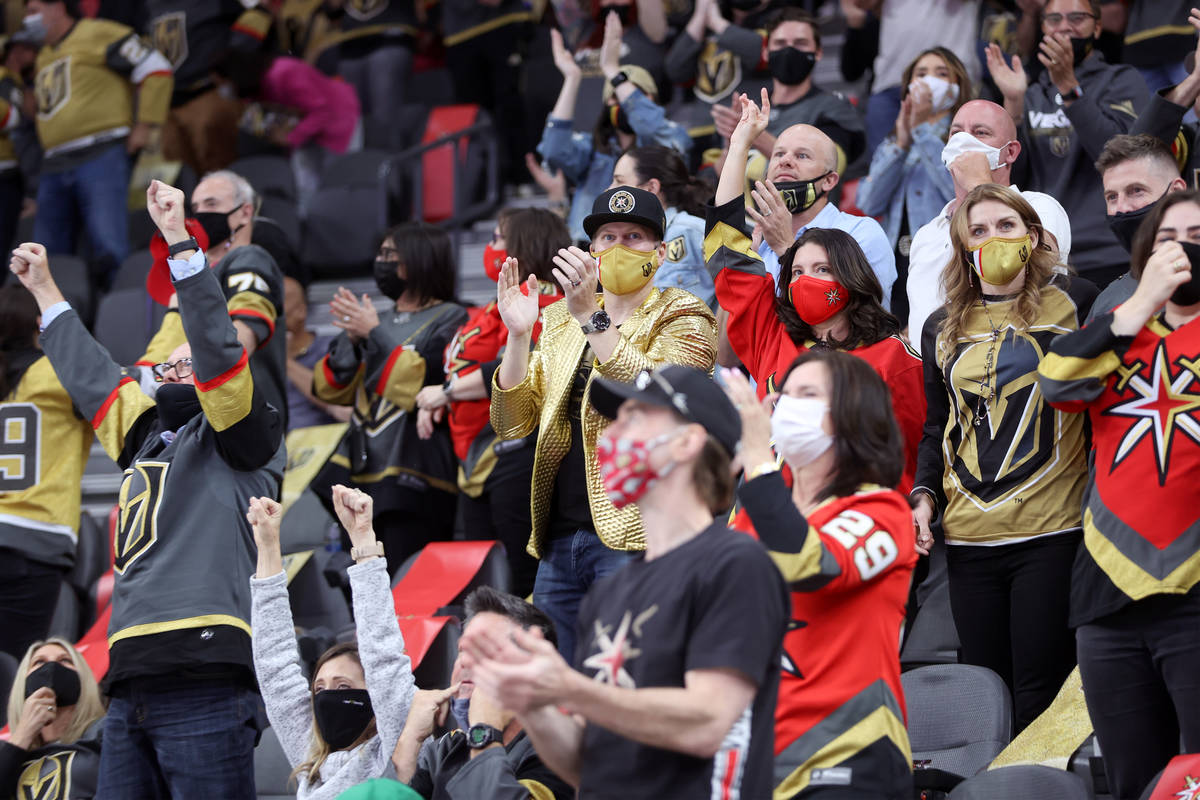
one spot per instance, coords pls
(357, 317)
(1057, 56)
(1010, 80)
(518, 309)
(751, 124)
(563, 59)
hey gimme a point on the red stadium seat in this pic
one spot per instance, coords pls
(445, 572)
(432, 644)
(436, 191)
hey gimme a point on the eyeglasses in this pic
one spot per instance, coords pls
(182, 367)
(389, 254)
(1074, 19)
(678, 399)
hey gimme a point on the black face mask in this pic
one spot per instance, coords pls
(619, 119)
(1125, 224)
(177, 403)
(1081, 48)
(64, 681)
(1189, 293)
(389, 283)
(216, 225)
(342, 715)
(790, 66)
(799, 196)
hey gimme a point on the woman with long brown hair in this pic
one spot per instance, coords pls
(1005, 470)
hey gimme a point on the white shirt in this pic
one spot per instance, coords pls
(904, 31)
(931, 252)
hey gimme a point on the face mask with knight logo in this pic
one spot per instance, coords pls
(799, 196)
(998, 260)
(624, 270)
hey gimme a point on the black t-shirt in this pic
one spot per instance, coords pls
(715, 601)
(571, 508)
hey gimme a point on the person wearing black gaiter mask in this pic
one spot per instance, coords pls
(54, 710)
(377, 365)
(1137, 171)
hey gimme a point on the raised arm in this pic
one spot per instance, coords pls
(752, 123)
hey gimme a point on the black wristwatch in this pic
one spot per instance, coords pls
(618, 79)
(189, 243)
(480, 736)
(600, 321)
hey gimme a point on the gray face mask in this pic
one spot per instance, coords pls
(460, 709)
(35, 26)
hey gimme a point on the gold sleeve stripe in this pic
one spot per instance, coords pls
(224, 377)
(226, 398)
(154, 97)
(151, 628)
(98, 419)
(253, 23)
(879, 724)
(482, 28)
(804, 564)
(1127, 575)
(1073, 368)
(537, 789)
(250, 304)
(725, 235)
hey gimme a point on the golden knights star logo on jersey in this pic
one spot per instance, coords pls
(52, 87)
(169, 34)
(365, 9)
(718, 73)
(48, 778)
(137, 526)
(20, 446)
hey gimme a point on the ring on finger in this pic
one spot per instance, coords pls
(576, 283)
(766, 212)
(346, 318)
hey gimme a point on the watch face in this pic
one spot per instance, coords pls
(480, 735)
(601, 321)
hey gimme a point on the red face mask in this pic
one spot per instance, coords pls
(625, 467)
(493, 261)
(816, 300)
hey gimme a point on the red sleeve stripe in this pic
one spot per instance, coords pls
(98, 419)
(7, 117)
(258, 35)
(224, 377)
(162, 73)
(143, 364)
(332, 381)
(246, 312)
(387, 370)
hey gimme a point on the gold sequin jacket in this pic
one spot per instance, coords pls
(670, 327)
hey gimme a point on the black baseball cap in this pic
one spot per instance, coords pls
(626, 204)
(686, 390)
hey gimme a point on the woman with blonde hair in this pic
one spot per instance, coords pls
(1005, 470)
(340, 729)
(53, 711)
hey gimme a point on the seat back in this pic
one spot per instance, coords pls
(959, 716)
(71, 275)
(91, 562)
(444, 573)
(933, 638)
(1026, 781)
(68, 613)
(269, 175)
(133, 270)
(347, 216)
(126, 319)
(432, 644)
(284, 215)
(272, 772)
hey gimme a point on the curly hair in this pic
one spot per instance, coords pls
(869, 321)
(963, 288)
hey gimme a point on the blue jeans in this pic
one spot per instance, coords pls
(569, 566)
(882, 110)
(94, 195)
(174, 738)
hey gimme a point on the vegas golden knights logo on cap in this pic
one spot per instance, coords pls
(365, 9)
(169, 33)
(137, 527)
(621, 203)
(52, 87)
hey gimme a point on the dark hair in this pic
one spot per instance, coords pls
(244, 69)
(867, 445)
(680, 189)
(869, 321)
(712, 475)
(428, 260)
(18, 334)
(793, 14)
(486, 599)
(1129, 146)
(533, 236)
(1147, 232)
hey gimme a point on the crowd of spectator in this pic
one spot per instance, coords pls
(760, 354)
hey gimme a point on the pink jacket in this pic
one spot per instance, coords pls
(330, 106)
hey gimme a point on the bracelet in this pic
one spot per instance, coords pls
(765, 468)
(373, 549)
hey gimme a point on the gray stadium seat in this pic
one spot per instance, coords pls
(125, 322)
(284, 214)
(133, 270)
(271, 769)
(1027, 782)
(67, 619)
(91, 561)
(933, 638)
(348, 215)
(71, 275)
(959, 716)
(271, 176)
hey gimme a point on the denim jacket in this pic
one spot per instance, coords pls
(915, 180)
(684, 266)
(589, 170)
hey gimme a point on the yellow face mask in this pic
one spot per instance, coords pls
(998, 261)
(624, 270)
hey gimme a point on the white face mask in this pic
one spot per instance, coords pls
(945, 93)
(963, 142)
(797, 430)
(35, 26)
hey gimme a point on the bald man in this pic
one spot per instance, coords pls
(801, 173)
(982, 134)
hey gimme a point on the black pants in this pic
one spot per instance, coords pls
(1010, 607)
(1141, 677)
(28, 595)
(502, 513)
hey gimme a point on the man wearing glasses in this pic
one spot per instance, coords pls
(1064, 118)
(184, 715)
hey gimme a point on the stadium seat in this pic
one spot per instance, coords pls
(348, 215)
(68, 614)
(71, 275)
(283, 213)
(8, 671)
(91, 562)
(933, 638)
(271, 176)
(272, 772)
(125, 322)
(444, 573)
(432, 644)
(959, 717)
(133, 270)
(1027, 782)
